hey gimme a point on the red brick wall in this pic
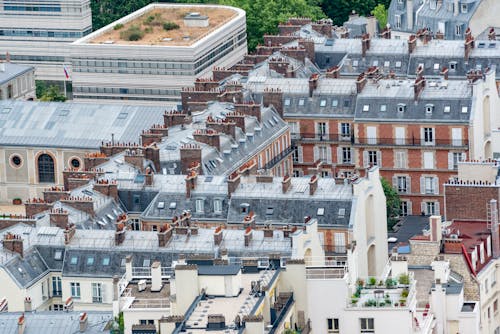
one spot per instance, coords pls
(469, 202)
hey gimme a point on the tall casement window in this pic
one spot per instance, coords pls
(46, 169)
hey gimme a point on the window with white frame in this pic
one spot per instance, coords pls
(301, 102)
(463, 8)
(297, 154)
(458, 30)
(430, 185)
(367, 325)
(401, 160)
(200, 205)
(217, 205)
(75, 289)
(372, 158)
(332, 325)
(431, 208)
(56, 286)
(400, 133)
(97, 293)
(321, 130)
(322, 103)
(345, 130)
(335, 103)
(428, 160)
(405, 208)
(322, 153)
(403, 184)
(346, 155)
(454, 158)
(429, 108)
(294, 129)
(428, 137)
(287, 102)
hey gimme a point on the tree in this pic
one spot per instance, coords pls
(41, 89)
(392, 203)
(53, 94)
(380, 14)
(339, 10)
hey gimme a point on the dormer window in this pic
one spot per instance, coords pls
(429, 108)
(335, 103)
(301, 102)
(436, 67)
(287, 102)
(355, 63)
(383, 107)
(453, 65)
(375, 63)
(464, 110)
(366, 107)
(387, 63)
(447, 109)
(432, 4)
(463, 8)
(322, 103)
(398, 64)
(401, 107)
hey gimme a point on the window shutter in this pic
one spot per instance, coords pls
(365, 158)
(339, 155)
(422, 136)
(327, 131)
(301, 154)
(329, 154)
(450, 160)
(395, 182)
(435, 182)
(103, 292)
(422, 185)
(408, 185)
(410, 211)
(353, 155)
(316, 153)
(436, 209)
(464, 156)
(397, 159)
(423, 207)
(339, 131)
(379, 158)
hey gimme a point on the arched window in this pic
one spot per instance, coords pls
(46, 169)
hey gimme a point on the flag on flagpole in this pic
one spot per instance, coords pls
(66, 72)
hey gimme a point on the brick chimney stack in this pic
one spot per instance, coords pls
(286, 183)
(492, 34)
(313, 83)
(59, 217)
(207, 136)
(469, 43)
(218, 236)
(495, 238)
(119, 234)
(313, 184)
(333, 72)
(69, 233)
(164, 235)
(13, 243)
(365, 44)
(274, 97)
(191, 182)
(233, 182)
(412, 43)
(419, 83)
(360, 82)
(248, 236)
(190, 153)
(444, 73)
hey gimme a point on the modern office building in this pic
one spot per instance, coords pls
(38, 33)
(106, 65)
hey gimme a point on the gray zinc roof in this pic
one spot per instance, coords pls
(12, 71)
(55, 322)
(72, 125)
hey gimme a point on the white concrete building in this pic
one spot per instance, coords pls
(106, 65)
(17, 82)
(39, 33)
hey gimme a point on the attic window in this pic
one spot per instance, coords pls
(6, 110)
(322, 103)
(58, 255)
(436, 67)
(73, 260)
(301, 102)
(383, 107)
(453, 65)
(375, 63)
(320, 212)
(398, 64)
(429, 108)
(341, 213)
(161, 205)
(387, 63)
(447, 109)
(172, 205)
(269, 211)
(366, 107)
(464, 110)
(401, 107)
(244, 207)
(122, 264)
(122, 115)
(287, 102)
(90, 261)
(421, 65)
(105, 261)
(355, 63)
(146, 263)
(335, 103)
(63, 112)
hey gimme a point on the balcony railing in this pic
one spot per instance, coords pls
(349, 138)
(283, 312)
(278, 158)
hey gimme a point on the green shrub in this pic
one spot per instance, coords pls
(372, 281)
(154, 20)
(389, 283)
(404, 279)
(404, 293)
(118, 26)
(170, 26)
(148, 30)
(134, 33)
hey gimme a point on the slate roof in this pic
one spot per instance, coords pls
(217, 270)
(72, 125)
(26, 271)
(12, 71)
(55, 322)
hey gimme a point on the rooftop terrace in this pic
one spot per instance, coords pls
(151, 19)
